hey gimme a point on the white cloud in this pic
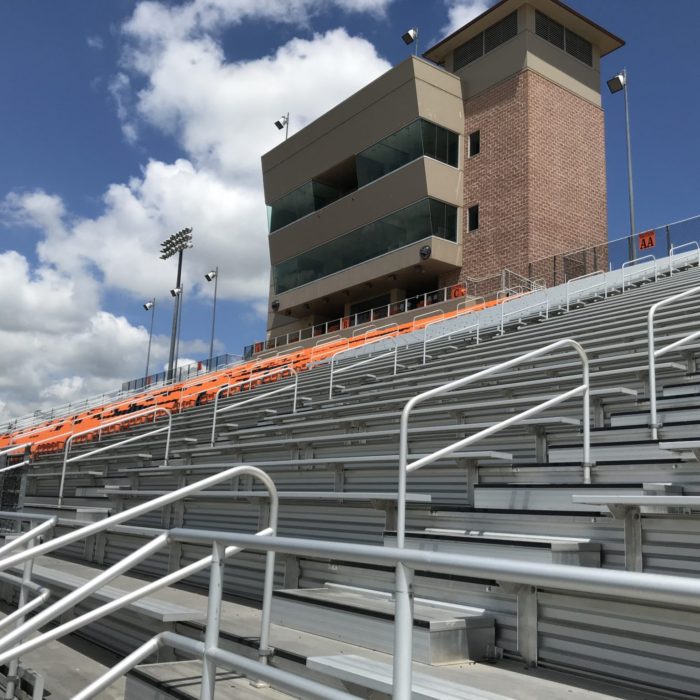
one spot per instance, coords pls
(95, 42)
(461, 12)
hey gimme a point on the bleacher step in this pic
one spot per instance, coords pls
(181, 680)
(571, 551)
(443, 634)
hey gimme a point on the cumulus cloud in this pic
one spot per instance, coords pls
(174, 77)
(95, 42)
(461, 12)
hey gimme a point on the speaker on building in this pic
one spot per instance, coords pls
(275, 305)
(425, 252)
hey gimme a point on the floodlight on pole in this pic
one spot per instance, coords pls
(213, 275)
(283, 123)
(616, 84)
(410, 37)
(149, 306)
(175, 245)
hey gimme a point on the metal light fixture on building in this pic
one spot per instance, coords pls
(275, 305)
(149, 305)
(410, 37)
(617, 83)
(425, 252)
(175, 292)
(283, 123)
(213, 275)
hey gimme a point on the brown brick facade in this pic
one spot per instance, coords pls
(539, 179)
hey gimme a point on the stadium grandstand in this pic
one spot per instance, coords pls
(437, 476)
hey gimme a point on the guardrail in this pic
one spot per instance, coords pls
(334, 371)
(403, 627)
(654, 353)
(12, 646)
(505, 314)
(99, 428)
(642, 587)
(447, 334)
(257, 397)
(580, 290)
(632, 263)
(674, 251)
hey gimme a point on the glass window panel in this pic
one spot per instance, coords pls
(409, 225)
(389, 154)
(452, 149)
(441, 149)
(429, 138)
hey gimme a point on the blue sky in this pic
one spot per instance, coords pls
(122, 122)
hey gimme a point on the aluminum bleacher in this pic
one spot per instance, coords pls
(554, 556)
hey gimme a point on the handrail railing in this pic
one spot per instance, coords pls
(436, 313)
(654, 353)
(403, 627)
(257, 397)
(637, 261)
(373, 358)
(657, 589)
(505, 314)
(675, 248)
(581, 290)
(99, 428)
(446, 334)
(11, 645)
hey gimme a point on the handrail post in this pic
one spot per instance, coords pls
(211, 635)
(13, 666)
(651, 344)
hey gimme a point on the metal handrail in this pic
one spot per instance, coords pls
(643, 587)
(403, 627)
(469, 303)
(505, 314)
(438, 312)
(334, 371)
(636, 261)
(427, 340)
(99, 428)
(11, 646)
(654, 353)
(255, 398)
(29, 535)
(580, 290)
(675, 248)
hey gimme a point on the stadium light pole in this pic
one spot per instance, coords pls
(149, 306)
(213, 275)
(616, 84)
(175, 245)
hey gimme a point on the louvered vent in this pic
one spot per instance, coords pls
(466, 53)
(548, 29)
(579, 48)
(500, 32)
(565, 39)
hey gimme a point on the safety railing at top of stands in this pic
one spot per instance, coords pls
(436, 315)
(403, 625)
(446, 334)
(134, 438)
(654, 352)
(674, 253)
(655, 589)
(472, 304)
(454, 291)
(12, 644)
(522, 310)
(628, 272)
(576, 294)
(294, 387)
(373, 358)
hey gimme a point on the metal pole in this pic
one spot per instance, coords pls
(286, 127)
(179, 325)
(150, 338)
(631, 242)
(173, 334)
(213, 316)
(211, 635)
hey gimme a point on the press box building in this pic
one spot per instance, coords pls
(485, 154)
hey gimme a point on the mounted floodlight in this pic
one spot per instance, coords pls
(210, 276)
(148, 305)
(176, 291)
(410, 36)
(283, 123)
(177, 242)
(617, 83)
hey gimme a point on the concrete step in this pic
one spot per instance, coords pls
(443, 633)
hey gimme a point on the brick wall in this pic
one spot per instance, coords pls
(539, 179)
